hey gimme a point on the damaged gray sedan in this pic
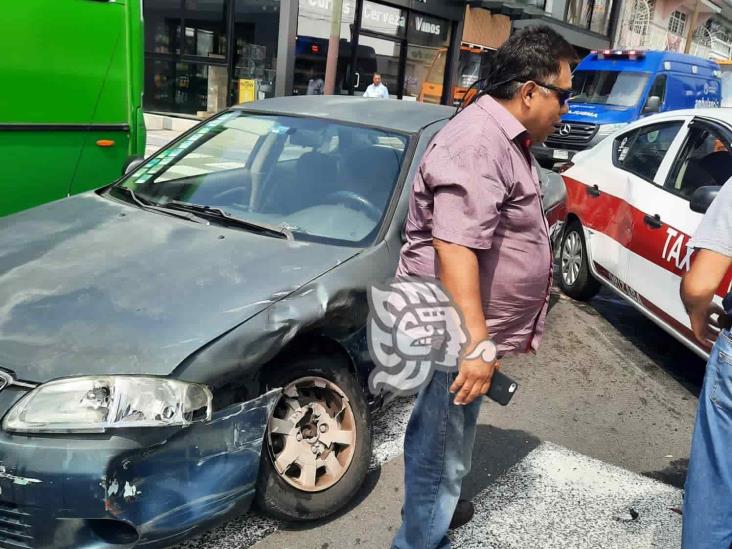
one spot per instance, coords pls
(192, 338)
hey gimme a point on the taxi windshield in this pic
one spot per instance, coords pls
(622, 89)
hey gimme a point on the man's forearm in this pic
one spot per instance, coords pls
(459, 274)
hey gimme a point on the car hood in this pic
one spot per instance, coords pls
(599, 114)
(89, 285)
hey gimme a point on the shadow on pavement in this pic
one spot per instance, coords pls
(495, 452)
(665, 351)
(372, 478)
(674, 474)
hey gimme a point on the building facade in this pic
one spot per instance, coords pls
(204, 55)
(699, 27)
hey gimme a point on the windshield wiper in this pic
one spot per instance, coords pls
(224, 217)
(147, 204)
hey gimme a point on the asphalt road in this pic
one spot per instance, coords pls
(601, 425)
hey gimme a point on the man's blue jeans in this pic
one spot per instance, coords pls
(708, 498)
(438, 447)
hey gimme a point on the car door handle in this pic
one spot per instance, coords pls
(593, 191)
(653, 221)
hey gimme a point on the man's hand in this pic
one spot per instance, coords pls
(473, 380)
(707, 324)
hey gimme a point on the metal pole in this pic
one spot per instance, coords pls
(692, 27)
(331, 62)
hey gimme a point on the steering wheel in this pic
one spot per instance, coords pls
(350, 198)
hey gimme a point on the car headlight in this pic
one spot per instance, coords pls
(607, 129)
(93, 404)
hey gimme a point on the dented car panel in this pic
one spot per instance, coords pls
(164, 482)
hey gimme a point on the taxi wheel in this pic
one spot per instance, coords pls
(575, 278)
(317, 447)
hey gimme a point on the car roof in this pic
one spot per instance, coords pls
(401, 116)
(720, 113)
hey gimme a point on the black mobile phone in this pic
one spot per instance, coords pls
(502, 388)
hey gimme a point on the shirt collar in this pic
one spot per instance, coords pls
(506, 121)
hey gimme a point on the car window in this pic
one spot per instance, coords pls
(641, 151)
(658, 89)
(705, 159)
(320, 179)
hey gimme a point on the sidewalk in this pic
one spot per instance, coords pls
(163, 129)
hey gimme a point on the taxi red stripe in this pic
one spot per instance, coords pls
(626, 225)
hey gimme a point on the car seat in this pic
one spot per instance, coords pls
(315, 177)
(372, 173)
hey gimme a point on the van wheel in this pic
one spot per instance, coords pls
(317, 448)
(575, 278)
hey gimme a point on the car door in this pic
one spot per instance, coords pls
(659, 256)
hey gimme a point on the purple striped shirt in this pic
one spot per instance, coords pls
(477, 187)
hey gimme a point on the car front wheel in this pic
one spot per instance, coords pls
(318, 443)
(575, 279)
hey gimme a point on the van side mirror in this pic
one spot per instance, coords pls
(703, 198)
(131, 164)
(653, 104)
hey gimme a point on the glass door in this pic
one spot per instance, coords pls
(377, 55)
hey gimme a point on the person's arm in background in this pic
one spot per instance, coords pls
(468, 195)
(697, 291)
(713, 239)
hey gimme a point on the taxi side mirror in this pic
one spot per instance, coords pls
(703, 198)
(653, 104)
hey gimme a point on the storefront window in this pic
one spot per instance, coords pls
(162, 26)
(579, 12)
(311, 47)
(256, 24)
(191, 88)
(386, 53)
(428, 40)
(601, 16)
(205, 30)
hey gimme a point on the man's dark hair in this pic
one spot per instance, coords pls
(533, 53)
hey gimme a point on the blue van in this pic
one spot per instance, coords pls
(615, 87)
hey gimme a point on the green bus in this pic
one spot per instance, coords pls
(71, 101)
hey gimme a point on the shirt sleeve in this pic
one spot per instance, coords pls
(468, 192)
(715, 230)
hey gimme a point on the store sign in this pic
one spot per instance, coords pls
(427, 31)
(391, 18)
(425, 26)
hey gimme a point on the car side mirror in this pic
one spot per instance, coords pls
(703, 198)
(132, 164)
(653, 104)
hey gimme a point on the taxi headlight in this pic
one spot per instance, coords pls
(94, 404)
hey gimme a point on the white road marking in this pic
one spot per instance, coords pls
(556, 498)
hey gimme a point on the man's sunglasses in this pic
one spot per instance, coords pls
(563, 95)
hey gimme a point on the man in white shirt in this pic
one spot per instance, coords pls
(377, 89)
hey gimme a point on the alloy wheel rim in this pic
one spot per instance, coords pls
(312, 434)
(571, 258)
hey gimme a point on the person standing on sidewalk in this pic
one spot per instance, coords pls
(476, 223)
(707, 519)
(377, 88)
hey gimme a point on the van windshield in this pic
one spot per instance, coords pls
(623, 89)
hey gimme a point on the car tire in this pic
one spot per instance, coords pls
(287, 492)
(575, 278)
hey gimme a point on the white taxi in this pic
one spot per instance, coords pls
(634, 201)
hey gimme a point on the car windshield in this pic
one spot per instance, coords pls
(621, 89)
(315, 179)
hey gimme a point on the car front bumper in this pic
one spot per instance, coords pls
(133, 488)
